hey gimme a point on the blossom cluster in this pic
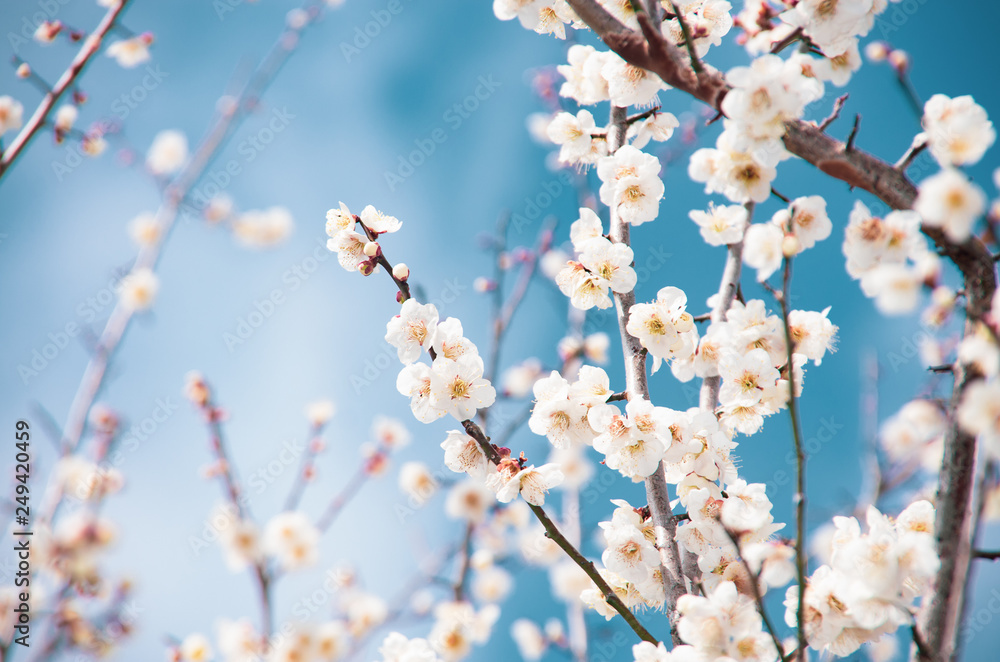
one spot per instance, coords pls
(724, 625)
(602, 264)
(889, 256)
(789, 232)
(631, 562)
(453, 383)
(747, 349)
(957, 132)
(355, 251)
(764, 96)
(871, 580)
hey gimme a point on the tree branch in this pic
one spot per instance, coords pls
(860, 170)
(657, 496)
(91, 45)
(801, 559)
(552, 532)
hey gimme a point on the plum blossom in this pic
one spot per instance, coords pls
(631, 184)
(413, 329)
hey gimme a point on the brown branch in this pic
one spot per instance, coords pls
(91, 45)
(552, 532)
(838, 105)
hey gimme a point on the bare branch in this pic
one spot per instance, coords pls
(838, 105)
(919, 145)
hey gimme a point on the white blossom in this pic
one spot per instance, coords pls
(530, 482)
(979, 414)
(958, 131)
(631, 184)
(413, 329)
(11, 114)
(762, 249)
(721, 225)
(168, 153)
(948, 200)
(292, 539)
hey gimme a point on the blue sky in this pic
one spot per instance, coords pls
(350, 117)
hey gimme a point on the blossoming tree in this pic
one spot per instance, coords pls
(694, 568)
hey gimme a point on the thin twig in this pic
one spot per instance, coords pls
(552, 532)
(338, 502)
(918, 145)
(301, 477)
(909, 93)
(500, 248)
(779, 196)
(779, 46)
(463, 573)
(800, 465)
(992, 555)
(688, 41)
(838, 105)
(758, 596)
(227, 472)
(849, 145)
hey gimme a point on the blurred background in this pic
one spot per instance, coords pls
(352, 111)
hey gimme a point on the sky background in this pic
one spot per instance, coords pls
(62, 237)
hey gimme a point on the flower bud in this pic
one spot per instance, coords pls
(23, 71)
(371, 248)
(899, 60)
(877, 51)
(790, 245)
(401, 271)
